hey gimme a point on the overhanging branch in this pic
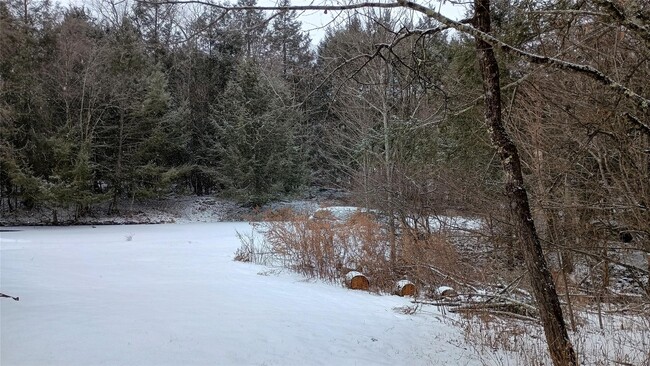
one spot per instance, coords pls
(587, 70)
(227, 7)
(630, 21)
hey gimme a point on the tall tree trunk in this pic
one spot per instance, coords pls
(117, 184)
(388, 167)
(25, 14)
(284, 58)
(559, 344)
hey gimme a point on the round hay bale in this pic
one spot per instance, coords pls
(356, 281)
(405, 288)
(446, 291)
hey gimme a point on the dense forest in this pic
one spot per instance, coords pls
(100, 103)
(135, 100)
(415, 116)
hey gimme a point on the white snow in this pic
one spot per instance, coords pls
(352, 274)
(402, 283)
(442, 223)
(341, 212)
(172, 295)
(442, 289)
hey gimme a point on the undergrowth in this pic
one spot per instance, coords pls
(624, 339)
(326, 247)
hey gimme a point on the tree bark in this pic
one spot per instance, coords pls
(559, 344)
(117, 184)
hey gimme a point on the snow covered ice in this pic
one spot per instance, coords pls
(172, 295)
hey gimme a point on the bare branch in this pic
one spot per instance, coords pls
(15, 298)
(635, 121)
(572, 12)
(597, 256)
(586, 70)
(629, 21)
(227, 7)
(461, 26)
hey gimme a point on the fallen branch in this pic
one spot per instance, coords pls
(495, 312)
(504, 301)
(438, 303)
(446, 276)
(507, 288)
(11, 297)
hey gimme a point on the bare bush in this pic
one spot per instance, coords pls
(323, 247)
(431, 260)
(326, 247)
(622, 341)
(254, 249)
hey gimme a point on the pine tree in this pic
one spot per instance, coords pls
(258, 157)
(288, 46)
(251, 25)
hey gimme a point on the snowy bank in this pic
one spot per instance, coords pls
(172, 295)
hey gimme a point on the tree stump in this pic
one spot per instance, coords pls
(405, 288)
(356, 281)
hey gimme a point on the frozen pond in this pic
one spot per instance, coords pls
(172, 295)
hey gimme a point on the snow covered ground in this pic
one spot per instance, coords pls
(172, 295)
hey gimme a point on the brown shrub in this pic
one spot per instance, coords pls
(321, 246)
(430, 259)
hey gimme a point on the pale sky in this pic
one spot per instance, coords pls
(315, 22)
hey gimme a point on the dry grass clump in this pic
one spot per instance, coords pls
(323, 247)
(281, 214)
(431, 259)
(326, 247)
(624, 340)
(253, 248)
(498, 314)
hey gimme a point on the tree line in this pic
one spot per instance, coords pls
(133, 101)
(548, 99)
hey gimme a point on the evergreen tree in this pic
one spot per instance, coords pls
(155, 22)
(204, 67)
(251, 26)
(258, 157)
(288, 46)
(163, 153)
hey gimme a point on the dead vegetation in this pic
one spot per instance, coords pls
(458, 269)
